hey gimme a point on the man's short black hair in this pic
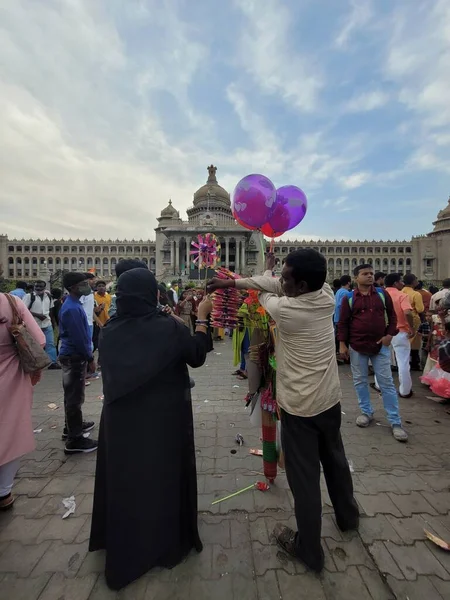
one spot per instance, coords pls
(336, 283)
(90, 275)
(309, 266)
(419, 285)
(379, 275)
(359, 268)
(345, 280)
(56, 293)
(101, 282)
(446, 283)
(129, 263)
(21, 285)
(433, 289)
(40, 281)
(391, 279)
(409, 278)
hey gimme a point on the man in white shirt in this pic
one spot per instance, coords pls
(39, 303)
(88, 303)
(436, 298)
(308, 394)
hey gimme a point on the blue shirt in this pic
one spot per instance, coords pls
(19, 292)
(74, 330)
(340, 295)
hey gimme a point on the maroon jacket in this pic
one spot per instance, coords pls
(364, 324)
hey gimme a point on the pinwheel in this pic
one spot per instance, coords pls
(207, 251)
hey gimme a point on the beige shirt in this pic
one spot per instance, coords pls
(307, 371)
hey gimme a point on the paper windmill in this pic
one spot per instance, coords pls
(207, 251)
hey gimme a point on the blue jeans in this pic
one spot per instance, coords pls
(50, 347)
(381, 364)
(91, 335)
(244, 349)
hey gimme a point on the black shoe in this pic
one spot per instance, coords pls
(54, 367)
(406, 395)
(191, 383)
(87, 426)
(80, 444)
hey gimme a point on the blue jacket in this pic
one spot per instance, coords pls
(74, 330)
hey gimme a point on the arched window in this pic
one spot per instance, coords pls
(105, 261)
(74, 249)
(18, 261)
(362, 250)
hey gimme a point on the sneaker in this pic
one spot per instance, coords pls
(399, 433)
(285, 538)
(81, 444)
(54, 367)
(95, 375)
(6, 502)
(364, 420)
(410, 395)
(87, 426)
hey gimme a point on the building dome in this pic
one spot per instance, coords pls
(212, 193)
(169, 212)
(442, 223)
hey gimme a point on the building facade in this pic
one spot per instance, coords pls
(168, 256)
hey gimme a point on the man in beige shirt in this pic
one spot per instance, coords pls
(309, 394)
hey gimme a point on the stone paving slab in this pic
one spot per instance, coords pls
(401, 489)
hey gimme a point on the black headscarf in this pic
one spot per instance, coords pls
(140, 341)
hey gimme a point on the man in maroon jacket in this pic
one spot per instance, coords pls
(366, 327)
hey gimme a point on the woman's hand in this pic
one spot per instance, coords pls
(204, 308)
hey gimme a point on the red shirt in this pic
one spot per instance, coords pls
(364, 324)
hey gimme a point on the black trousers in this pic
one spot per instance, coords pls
(74, 376)
(307, 442)
(415, 359)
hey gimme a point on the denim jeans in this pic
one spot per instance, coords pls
(91, 336)
(381, 364)
(50, 347)
(244, 350)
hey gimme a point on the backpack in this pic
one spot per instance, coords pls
(33, 298)
(381, 293)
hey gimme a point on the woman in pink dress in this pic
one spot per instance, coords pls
(16, 397)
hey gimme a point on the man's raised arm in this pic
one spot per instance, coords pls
(261, 283)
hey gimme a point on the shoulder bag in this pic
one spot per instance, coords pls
(32, 356)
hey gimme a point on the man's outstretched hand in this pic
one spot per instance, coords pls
(218, 284)
(270, 261)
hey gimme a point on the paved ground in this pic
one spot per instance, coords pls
(401, 489)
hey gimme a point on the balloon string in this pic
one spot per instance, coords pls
(263, 243)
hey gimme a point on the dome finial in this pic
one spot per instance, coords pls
(212, 174)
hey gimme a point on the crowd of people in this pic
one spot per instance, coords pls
(143, 336)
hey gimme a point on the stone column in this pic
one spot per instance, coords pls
(172, 258)
(177, 256)
(237, 258)
(187, 263)
(227, 253)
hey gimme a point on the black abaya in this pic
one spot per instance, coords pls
(145, 499)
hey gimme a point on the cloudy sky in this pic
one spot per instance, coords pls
(109, 108)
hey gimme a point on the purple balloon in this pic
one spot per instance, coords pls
(254, 200)
(290, 208)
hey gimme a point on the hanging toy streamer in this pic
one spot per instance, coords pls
(207, 251)
(226, 303)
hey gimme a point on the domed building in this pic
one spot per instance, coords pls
(210, 212)
(168, 256)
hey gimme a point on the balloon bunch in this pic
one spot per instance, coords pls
(257, 205)
(226, 303)
(207, 251)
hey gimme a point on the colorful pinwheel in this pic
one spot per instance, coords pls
(207, 251)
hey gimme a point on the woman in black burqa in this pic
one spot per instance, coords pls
(145, 498)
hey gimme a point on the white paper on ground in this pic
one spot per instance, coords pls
(37, 430)
(70, 505)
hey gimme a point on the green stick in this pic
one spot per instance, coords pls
(233, 495)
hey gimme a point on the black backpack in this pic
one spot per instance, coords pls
(33, 298)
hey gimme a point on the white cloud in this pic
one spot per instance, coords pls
(367, 101)
(360, 15)
(274, 64)
(355, 180)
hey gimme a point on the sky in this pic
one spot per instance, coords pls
(109, 108)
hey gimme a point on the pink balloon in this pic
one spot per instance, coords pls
(253, 201)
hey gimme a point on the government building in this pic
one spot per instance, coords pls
(169, 257)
